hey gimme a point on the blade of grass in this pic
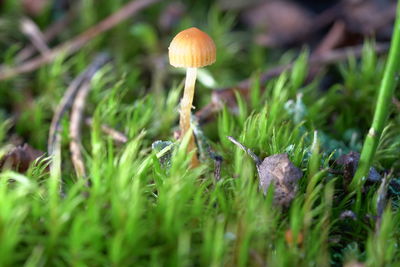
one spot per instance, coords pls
(386, 91)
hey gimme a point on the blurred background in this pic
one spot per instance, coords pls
(252, 36)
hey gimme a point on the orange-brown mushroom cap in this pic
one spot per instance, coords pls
(192, 48)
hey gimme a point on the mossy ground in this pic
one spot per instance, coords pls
(136, 212)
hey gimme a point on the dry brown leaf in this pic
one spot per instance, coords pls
(20, 158)
(281, 172)
(276, 170)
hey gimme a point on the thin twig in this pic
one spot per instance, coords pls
(48, 35)
(55, 167)
(63, 106)
(332, 39)
(227, 96)
(75, 144)
(245, 149)
(32, 31)
(68, 98)
(338, 55)
(114, 134)
(76, 43)
(78, 108)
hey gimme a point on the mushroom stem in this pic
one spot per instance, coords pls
(186, 107)
(187, 100)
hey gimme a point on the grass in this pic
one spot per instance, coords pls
(138, 213)
(386, 91)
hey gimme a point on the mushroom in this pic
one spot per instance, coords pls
(190, 49)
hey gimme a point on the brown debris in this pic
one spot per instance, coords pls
(74, 96)
(75, 144)
(113, 133)
(217, 167)
(369, 18)
(332, 39)
(32, 31)
(349, 162)
(68, 98)
(73, 45)
(226, 96)
(20, 158)
(48, 35)
(280, 171)
(377, 16)
(277, 170)
(280, 22)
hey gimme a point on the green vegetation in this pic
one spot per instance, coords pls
(136, 212)
(388, 84)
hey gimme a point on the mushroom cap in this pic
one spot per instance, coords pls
(192, 48)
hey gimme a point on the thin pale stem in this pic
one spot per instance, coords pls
(187, 100)
(386, 90)
(186, 107)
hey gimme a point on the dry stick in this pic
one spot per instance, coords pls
(78, 109)
(332, 39)
(68, 98)
(75, 144)
(114, 134)
(48, 35)
(55, 166)
(63, 106)
(32, 31)
(227, 96)
(76, 43)
(256, 159)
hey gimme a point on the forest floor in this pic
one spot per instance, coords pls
(92, 173)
